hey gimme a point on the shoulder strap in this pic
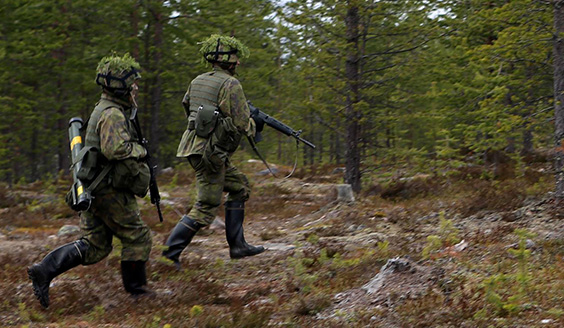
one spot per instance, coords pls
(99, 178)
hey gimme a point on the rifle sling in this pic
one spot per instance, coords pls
(253, 145)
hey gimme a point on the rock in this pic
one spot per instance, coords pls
(529, 244)
(278, 247)
(167, 170)
(217, 224)
(345, 193)
(267, 172)
(394, 265)
(460, 246)
(68, 230)
(338, 170)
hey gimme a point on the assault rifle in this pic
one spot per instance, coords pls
(261, 118)
(153, 188)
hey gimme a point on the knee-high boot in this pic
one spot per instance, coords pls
(234, 216)
(58, 261)
(134, 277)
(180, 237)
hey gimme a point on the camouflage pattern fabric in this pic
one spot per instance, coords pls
(215, 177)
(211, 185)
(118, 139)
(232, 103)
(115, 214)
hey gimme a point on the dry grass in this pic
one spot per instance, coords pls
(291, 288)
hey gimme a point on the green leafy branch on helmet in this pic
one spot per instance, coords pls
(117, 73)
(210, 46)
(117, 64)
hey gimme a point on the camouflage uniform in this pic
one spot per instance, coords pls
(113, 211)
(215, 96)
(113, 144)
(213, 176)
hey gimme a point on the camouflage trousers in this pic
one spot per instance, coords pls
(115, 214)
(211, 186)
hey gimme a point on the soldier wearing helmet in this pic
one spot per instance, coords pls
(119, 177)
(217, 97)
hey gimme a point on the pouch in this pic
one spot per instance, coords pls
(88, 158)
(226, 135)
(206, 120)
(131, 175)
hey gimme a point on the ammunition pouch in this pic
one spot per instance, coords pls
(206, 120)
(226, 135)
(224, 140)
(131, 174)
(88, 158)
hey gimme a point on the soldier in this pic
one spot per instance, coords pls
(218, 117)
(114, 210)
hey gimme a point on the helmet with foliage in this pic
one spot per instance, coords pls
(117, 73)
(223, 49)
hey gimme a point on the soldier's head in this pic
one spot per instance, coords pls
(223, 51)
(117, 74)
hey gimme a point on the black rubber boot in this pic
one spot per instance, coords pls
(179, 238)
(58, 261)
(134, 277)
(238, 247)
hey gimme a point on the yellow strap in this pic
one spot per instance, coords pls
(74, 141)
(79, 190)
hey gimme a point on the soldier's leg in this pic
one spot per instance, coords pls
(210, 188)
(125, 222)
(95, 244)
(58, 261)
(237, 185)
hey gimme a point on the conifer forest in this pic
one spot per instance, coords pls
(443, 118)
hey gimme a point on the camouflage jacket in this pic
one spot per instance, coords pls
(231, 102)
(118, 140)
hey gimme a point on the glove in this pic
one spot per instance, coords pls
(259, 122)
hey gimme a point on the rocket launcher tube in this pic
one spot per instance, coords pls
(80, 194)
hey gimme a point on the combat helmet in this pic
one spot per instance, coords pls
(117, 74)
(223, 49)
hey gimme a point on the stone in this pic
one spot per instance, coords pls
(267, 172)
(394, 265)
(345, 193)
(68, 230)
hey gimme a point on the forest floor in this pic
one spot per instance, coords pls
(456, 249)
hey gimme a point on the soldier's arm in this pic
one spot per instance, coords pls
(115, 140)
(233, 103)
(186, 102)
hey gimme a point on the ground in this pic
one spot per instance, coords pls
(412, 250)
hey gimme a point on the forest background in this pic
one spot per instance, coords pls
(435, 84)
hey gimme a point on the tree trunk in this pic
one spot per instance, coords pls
(352, 162)
(528, 147)
(156, 92)
(559, 96)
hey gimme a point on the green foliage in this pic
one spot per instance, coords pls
(448, 236)
(97, 313)
(226, 43)
(440, 83)
(507, 293)
(196, 310)
(117, 64)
